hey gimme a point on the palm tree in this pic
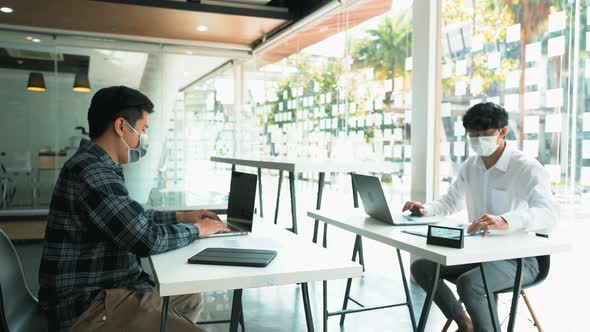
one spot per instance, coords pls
(386, 47)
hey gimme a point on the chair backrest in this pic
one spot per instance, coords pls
(544, 264)
(15, 296)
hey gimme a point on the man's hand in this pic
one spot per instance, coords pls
(416, 208)
(194, 216)
(487, 222)
(209, 226)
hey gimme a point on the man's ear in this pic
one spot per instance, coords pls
(503, 132)
(118, 126)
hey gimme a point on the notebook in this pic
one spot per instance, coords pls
(234, 257)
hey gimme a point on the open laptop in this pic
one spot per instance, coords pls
(240, 205)
(375, 204)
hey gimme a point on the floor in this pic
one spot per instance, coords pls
(559, 302)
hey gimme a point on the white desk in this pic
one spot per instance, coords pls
(494, 247)
(297, 261)
(294, 166)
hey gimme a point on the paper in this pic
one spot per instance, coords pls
(459, 129)
(447, 70)
(513, 33)
(585, 176)
(554, 98)
(460, 88)
(557, 21)
(494, 59)
(409, 63)
(532, 76)
(495, 100)
(586, 118)
(553, 123)
(554, 173)
(388, 84)
(511, 103)
(476, 86)
(387, 119)
(531, 124)
(459, 149)
(533, 52)
(461, 68)
(445, 109)
(512, 79)
(408, 117)
(398, 134)
(556, 46)
(476, 43)
(397, 151)
(586, 149)
(445, 149)
(531, 148)
(531, 100)
(398, 83)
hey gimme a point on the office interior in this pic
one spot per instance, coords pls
(375, 81)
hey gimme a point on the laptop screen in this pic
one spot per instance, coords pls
(242, 194)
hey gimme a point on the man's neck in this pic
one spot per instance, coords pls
(491, 160)
(108, 146)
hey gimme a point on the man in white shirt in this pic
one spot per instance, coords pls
(503, 190)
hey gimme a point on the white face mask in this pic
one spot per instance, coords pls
(484, 146)
(134, 154)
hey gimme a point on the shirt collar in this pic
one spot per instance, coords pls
(95, 149)
(504, 160)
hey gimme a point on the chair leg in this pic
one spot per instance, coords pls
(533, 315)
(447, 325)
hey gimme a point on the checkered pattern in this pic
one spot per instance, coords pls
(96, 235)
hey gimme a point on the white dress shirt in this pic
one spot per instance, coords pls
(516, 188)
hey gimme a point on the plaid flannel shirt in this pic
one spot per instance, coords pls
(96, 235)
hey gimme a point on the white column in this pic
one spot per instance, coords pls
(426, 99)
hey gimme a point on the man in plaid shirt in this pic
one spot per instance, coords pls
(90, 274)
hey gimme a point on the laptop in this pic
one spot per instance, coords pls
(375, 204)
(240, 205)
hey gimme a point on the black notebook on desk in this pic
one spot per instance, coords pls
(234, 257)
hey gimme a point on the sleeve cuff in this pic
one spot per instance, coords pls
(514, 221)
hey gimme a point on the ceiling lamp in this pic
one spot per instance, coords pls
(81, 83)
(36, 82)
(6, 10)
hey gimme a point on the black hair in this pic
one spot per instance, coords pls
(115, 102)
(484, 116)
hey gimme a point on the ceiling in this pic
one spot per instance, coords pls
(247, 21)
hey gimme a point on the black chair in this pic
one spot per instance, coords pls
(544, 264)
(19, 309)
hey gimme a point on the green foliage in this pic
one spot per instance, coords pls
(386, 47)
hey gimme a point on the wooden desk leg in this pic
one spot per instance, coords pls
(406, 290)
(278, 196)
(307, 307)
(260, 191)
(318, 204)
(236, 310)
(515, 294)
(491, 300)
(429, 299)
(293, 201)
(164, 320)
